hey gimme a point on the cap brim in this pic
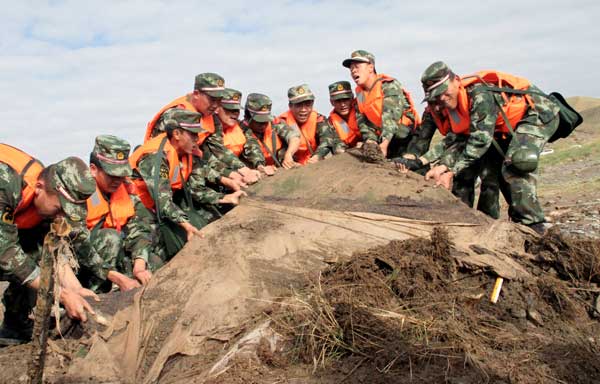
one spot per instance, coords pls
(437, 91)
(75, 212)
(262, 118)
(231, 107)
(303, 98)
(216, 94)
(346, 63)
(341, 96)
(116, 170)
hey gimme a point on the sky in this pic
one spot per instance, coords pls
(72, 70)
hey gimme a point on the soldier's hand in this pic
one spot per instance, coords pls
(88, 293)
(435, 172)
(140, 272)
(236, 176)
(384, 147)
(412, 164)
(128, 284)
(269, 170)
(233, 198)
(314, 159)
(445, 180)
(288, 162)
(75, 305)
(233, 184)
(251, 177)
(190, 230)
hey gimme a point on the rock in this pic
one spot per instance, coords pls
(596, 310)
(535, 317)
(518, 313)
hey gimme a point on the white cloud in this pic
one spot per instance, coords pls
(73, 69)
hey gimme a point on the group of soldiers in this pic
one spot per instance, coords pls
(131, 212)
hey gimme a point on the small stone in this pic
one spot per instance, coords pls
(535, 317)
(518, 313)
(596, 310)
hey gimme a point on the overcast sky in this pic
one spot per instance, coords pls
(70, 70)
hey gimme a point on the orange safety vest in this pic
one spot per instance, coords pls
(347, 130)
(269, 143)
(117, 211)
(234, 139)
(179, 169)
(370, 104)
(515, 106)
(25, 215)
(207, 122)
(308, 131)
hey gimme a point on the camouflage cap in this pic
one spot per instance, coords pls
(112, 153)
(258, 107)
(182, 118)
(435, 80)
(72, 179)
(300, 93)
(210, 83)
(360, 56)
(340, 90)
(232, 99)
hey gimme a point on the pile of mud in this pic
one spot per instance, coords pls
(346, 271)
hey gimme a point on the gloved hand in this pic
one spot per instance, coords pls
(412, 164)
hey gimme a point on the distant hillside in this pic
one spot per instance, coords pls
(581, 103)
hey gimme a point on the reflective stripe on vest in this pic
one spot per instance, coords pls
(515, 106)
(175, 165)
(370, 104)
(347, 131)
(25, 215)
(116, 213)
(234, 139)
(308, 132)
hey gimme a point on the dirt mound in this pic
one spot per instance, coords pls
(343, 266)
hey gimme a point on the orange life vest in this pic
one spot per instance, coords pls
(25, 215)
(117, 211)
(308, 133)
(234, 139)
(179, 169)
(370, 104)
(515, 106)
(207, 122)
(347, 130)
(269, 143)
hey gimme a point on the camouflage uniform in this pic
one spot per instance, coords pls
(137, 239)
(480, 157)
(326, 137)
(258, 108)
(394, 106)
(350, 135)
(201, 173)
(20, 248)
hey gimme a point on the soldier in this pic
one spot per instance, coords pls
(206, 100)
(171, 182)
(31, 196)
(343, 116)
(270, 142)
(317, 137)
(518, 124)
(386, 114)
(121, 227)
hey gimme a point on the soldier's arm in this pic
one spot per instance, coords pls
(421, 140)
(216, 146)
(394, 103)
(217, 168)
(484, 112)
(328, 138)
(86, 254)
(252, 152)
(168, 209)
(14, 262)
(139, 235)
(200, 192)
